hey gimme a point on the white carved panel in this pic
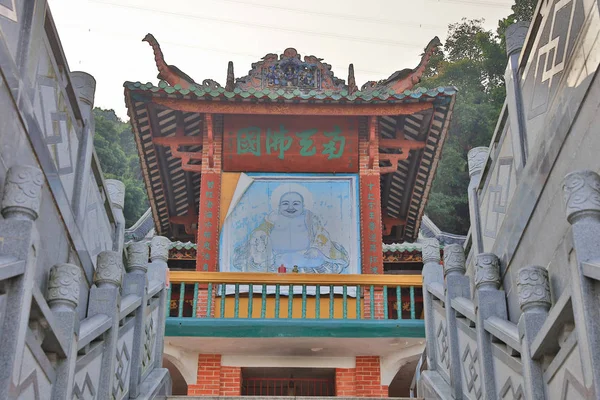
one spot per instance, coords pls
(34, 384)
(498, 191)
(97, 229)
(123, 362)
(507, 374)
(564, 376)
(87, 377)
(560, 26)
(57, 123)
(151, 329)
(442, 342)
(471, 372)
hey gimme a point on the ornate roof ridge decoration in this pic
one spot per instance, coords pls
(407, 78)
(288, 70)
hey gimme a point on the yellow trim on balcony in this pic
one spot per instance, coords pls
(245, 278)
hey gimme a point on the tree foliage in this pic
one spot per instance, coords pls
(474, 61)
(118, 156)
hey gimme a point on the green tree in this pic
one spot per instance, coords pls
(474, 61)
(119, 159)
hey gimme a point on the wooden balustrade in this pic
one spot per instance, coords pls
(295, 296)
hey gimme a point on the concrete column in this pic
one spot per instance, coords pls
(489, 301)
(456, 285)
(20, 207)
(582, 202)
(136, 282)
(63, 297)
(535, 302)
(515, 38)
(432, 273)
(105, 298)
(476, 158)
(116, 192)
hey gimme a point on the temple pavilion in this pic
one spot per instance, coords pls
(286, 192)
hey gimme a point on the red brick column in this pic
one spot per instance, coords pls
(202, 302)
(368, 377)
(345, 382)
(210, 196)
(377, 303)
(209, 376)
(231, 381)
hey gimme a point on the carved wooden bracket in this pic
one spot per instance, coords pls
(173, 142)
(398, 144)
(187, 220)
(389, 222)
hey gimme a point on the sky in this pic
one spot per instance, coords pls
(104, 37)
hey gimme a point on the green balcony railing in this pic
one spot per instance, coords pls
(294, 296)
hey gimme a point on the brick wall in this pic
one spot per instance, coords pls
(202, 303)
(362, 381)
(345, 382)
(377, 303)
(215, 380)
(231, 381)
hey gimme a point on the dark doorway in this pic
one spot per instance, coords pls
(288, 382)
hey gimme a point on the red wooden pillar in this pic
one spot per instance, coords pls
(370, 214)
(210, 197)
(370, 200)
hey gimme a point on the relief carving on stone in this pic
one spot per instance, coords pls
(476, 159)
(63, 286)
(454, 260)
(116, 192)
(431, 251)
(137, 257)
(159, 248)
(515, 36)
(109, 269)
(22, 192)
(487, 272)
(582, 194)
(534, 288)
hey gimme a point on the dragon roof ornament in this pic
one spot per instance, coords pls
(289, 70)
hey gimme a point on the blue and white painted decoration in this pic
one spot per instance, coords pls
(304, 220)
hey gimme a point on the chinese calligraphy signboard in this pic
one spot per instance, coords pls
(290, 144)
(370, 203)
(208, 222)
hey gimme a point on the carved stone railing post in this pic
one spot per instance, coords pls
(157, 271)
(515, 38)
(20, 208)
(136, 282)
(432, 273)
(476, 159)
(105, 298)
(582, 202)
(535, 302)
(489, 301)
(456, 285)
(63, 298)
(85, 88)
(116, 192)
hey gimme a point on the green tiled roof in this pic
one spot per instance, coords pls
(211, 92)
